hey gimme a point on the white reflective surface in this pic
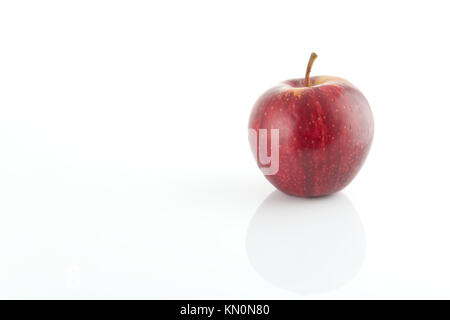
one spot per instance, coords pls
(125, 167)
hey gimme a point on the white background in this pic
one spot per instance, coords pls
(125, 170)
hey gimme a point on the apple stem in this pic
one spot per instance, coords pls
(308, 68)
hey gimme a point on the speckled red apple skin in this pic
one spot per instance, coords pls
(325, 133)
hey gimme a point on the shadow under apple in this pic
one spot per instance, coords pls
(306, 245)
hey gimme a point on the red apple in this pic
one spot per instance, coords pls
(319, 130)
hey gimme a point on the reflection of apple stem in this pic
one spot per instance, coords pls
(308, 69)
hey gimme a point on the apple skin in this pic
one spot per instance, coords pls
(325, 133)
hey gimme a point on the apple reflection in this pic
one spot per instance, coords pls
(306, 245)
